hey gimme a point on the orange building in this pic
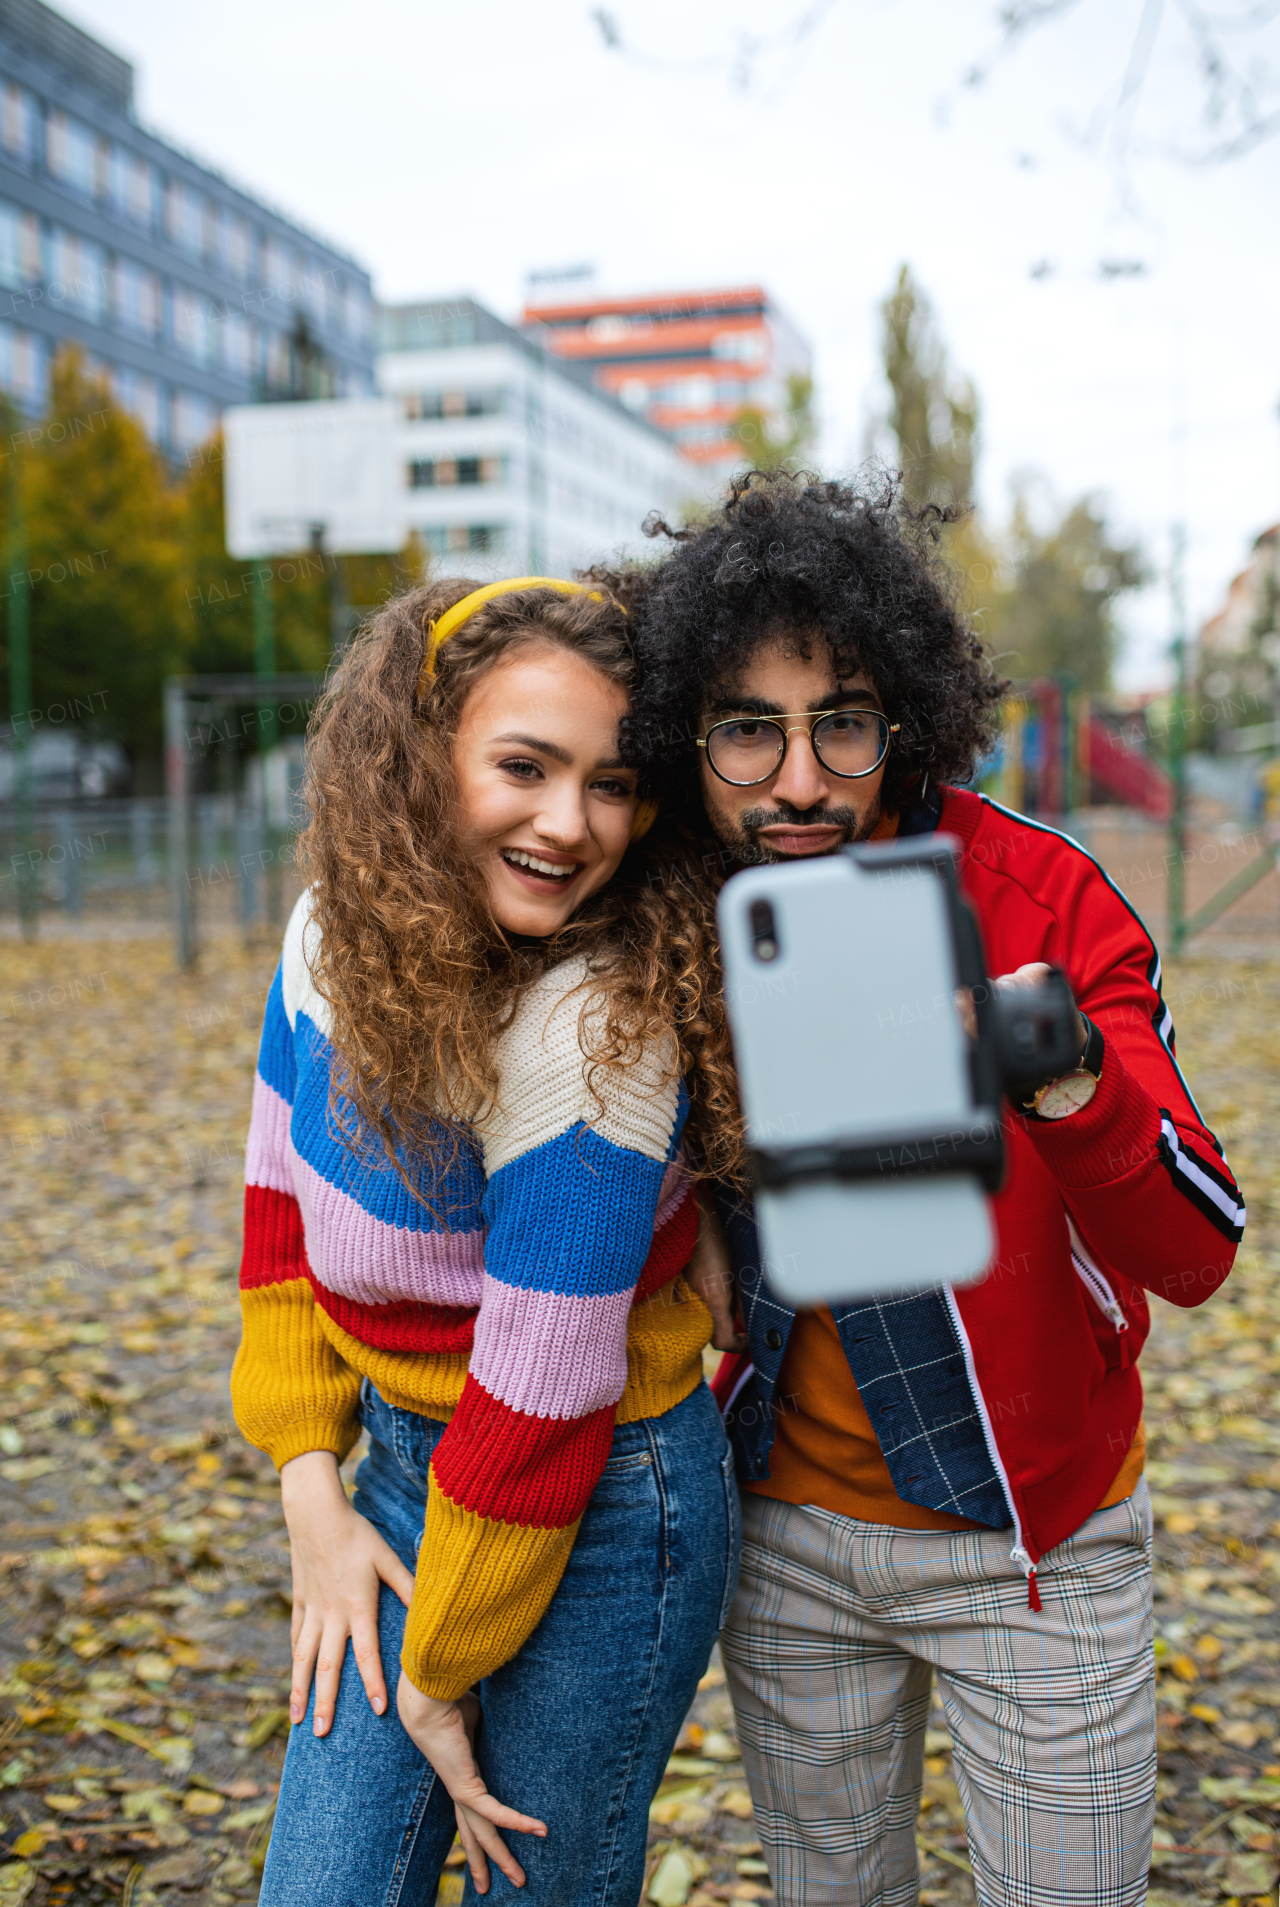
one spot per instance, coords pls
(688, 361)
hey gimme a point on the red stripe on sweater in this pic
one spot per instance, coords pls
(274, 1249)
(403, 1325)
(671, 1250)
(501, 1463)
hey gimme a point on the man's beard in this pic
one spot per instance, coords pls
(745, 845)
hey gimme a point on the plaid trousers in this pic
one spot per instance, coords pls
(834, 1636)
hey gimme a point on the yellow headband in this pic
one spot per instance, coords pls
(452, 620)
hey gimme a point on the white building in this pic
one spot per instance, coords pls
(515, 462)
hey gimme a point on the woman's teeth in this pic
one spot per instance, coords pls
(518, 858)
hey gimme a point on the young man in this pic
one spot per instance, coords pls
(944, 1482)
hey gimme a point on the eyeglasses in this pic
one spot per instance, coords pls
(746, 749)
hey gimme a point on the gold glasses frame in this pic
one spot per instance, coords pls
(803, 722)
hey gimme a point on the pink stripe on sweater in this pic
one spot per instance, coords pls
(363, 1258)
(550, 1355)
(676, 1181)
(266, 1157)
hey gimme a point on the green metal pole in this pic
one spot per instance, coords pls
(264, 650)
(20, 709)
(1178, 746)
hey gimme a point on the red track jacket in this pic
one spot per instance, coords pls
(1128, 1196)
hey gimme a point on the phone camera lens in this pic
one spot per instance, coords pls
(764, 932)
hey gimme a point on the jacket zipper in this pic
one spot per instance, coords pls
(1099, 1290)
(1019, 1553)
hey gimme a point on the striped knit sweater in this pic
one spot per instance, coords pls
(530, 1306)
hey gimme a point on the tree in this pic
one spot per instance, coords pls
(103, 561)
(1051, 611)
(933, 416)
(765, 451)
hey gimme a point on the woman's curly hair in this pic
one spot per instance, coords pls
(854, 567)
(419, 978)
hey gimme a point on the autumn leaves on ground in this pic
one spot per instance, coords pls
(143, 1571)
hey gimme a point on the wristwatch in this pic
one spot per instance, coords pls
(1071, 1092)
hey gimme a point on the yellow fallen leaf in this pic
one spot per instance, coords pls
(200, 1801)
(17, 1878)
(1181, 1522)
(738, 1803)
(153, 1668)
(1204, 1711)
(1184, 1668)
(64, 1803)
(32, 1842)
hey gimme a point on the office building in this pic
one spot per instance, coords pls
(690, 362)
(184, 290)
(515, 461)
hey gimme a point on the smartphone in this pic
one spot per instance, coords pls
(872, 1110)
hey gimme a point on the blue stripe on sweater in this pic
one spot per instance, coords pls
(372, 1183)
(572, 1216)
(276, 1061)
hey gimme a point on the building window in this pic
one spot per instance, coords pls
(315, 293)
(430, 473)
(237, 346)
(357, 312)
(76, 272)
(131, 185)
(140, 396)
(190, 325)
(184, 217)
(193, 420)
(76, 157)
(19, 246)
(234, 243)
(281, 269)
(24, 365)
(17, 122)
(136, 299)
(454, 403)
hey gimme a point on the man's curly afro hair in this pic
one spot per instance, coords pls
(852, 567)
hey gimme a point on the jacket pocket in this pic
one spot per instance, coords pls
(1100, 1290)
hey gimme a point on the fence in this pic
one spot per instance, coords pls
(100, 861)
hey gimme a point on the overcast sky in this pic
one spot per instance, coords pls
(455, 148)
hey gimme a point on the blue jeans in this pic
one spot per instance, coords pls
(577, 1726)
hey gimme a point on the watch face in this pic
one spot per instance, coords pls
(1066, 1095)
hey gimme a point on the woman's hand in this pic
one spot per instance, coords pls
(707, 1273)
(338, 1561)
(445, 1732)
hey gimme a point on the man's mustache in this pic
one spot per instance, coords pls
(785, 816)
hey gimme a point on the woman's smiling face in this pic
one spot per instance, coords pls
(545, 804)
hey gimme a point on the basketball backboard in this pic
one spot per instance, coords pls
(293, 470)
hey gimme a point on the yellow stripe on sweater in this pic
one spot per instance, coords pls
(482, 1588)
(290, 1390)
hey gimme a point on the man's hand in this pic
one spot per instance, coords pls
(339, 1561)
(707, 1273)
(445, 1732)
(1034, 974)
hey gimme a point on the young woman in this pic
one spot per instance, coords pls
(466, 1213)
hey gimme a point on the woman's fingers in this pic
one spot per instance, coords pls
(333, 1647)
(487, 1807)
(493, 1845)
(364, 1646)
(471, 1847)
(393, 1573)
(305, 1650)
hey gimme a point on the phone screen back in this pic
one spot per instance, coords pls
(851, 1031)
